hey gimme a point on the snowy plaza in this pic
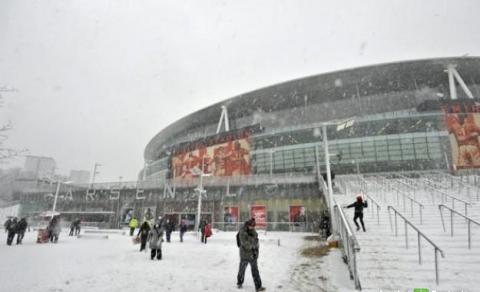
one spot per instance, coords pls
(94, 263)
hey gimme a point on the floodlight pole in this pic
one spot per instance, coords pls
(329, 176)
(199, 206)
(56, 196)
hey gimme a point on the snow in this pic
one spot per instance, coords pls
(93, 263)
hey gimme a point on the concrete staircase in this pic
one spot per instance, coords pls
(384, 262)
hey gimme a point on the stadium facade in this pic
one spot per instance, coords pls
(262, 153)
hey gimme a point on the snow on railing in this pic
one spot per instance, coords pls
(444, 196)
(412, 201)
(349, 243)
(469, 220)
(419, 235)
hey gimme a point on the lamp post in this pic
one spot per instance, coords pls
(200, 190)
(343, 124)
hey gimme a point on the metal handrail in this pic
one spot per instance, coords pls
(378, 207)
(460, 182)
(419, 235)
(450, 196)
(349, 243)
(412, 200)
(469, 220)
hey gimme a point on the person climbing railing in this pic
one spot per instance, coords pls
(349, 243)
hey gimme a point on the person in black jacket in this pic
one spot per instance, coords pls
(169, 228)
(359, 205)
(11, 227)
(21, 228)
(183, 229)
(143, 234)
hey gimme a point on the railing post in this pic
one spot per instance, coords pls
(396, 231)
(421, 217)
(451, 222)
(419, 249)
(469, 236)
(441, 217)
(378, 215)
(406, 235)
(436, 266)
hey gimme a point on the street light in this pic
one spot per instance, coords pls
(200, 190)
(56, 193)
(343, 124)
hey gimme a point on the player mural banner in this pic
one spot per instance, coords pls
(297, 214)
(260, 215)
(231, 214)
(227, 155)
(463, 125)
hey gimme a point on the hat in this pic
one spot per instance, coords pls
(251, 222)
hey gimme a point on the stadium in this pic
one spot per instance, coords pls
(263, 153)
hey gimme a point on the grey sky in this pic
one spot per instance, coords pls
(98, 79)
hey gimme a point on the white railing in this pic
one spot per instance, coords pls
(469, 221)
(349, 243)
(412, 201)
(419, 235)
(376, 204)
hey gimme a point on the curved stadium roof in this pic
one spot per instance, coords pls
(333, 86)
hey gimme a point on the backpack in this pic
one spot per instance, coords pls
(238, 239)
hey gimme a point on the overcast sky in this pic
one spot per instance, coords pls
(96, 80)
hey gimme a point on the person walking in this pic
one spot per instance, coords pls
(11, 229)
(169, 227)
(207, 231)
(72, 228)
(155, 241)
(54, 228)
(78, 224)
(133, 224)
(143, 234)
(249, 250)
(202, 230)
(359, 205)
(183, 229)
(21, 228)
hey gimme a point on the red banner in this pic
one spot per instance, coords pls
(260, 215)
(226, 159)
(297, 214)
(464, 132)
(231, 214)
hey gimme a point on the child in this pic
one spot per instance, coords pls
(359, 205)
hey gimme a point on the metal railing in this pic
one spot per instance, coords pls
(412, 200)
(419, 235)
(469, 221)
(377, 205)
(445, 195)
(461, 184)
(349, 243)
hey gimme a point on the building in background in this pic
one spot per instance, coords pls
(79, 176)
(39, 167)
(261, 154)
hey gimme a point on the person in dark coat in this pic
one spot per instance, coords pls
(359, 205)
(54, 228)
(21, 228)
(169, 228)
(183, 229)
(72, 228)
(143, 234)
(11, 229)
(77, 226)
(7, 223)
(155, 238)
(249, 251)
(202, 230)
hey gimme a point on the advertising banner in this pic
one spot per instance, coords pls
(260, 215)
(229, 158)
(231, 214)
(464, 131)
(297, 214)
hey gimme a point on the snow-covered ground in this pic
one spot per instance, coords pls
(115, 264)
